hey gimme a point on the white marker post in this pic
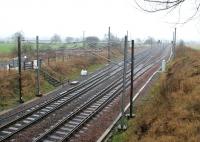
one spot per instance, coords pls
(163, 65)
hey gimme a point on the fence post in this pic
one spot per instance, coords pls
(83, 39)
(9, 67)
(108, 44)
(32, 64)
(13, 63)
(48, 60)
(63, 58)
(24, 66)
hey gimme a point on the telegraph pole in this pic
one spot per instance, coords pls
(132, 74)
(108, 44)
(84, 39)
(175, 43)
(122, 125)
(19, 69)
(37, 93)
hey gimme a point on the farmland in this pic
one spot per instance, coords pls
(6, 47)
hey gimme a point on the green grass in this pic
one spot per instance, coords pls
(197, 47)
(119, 136)
(194, 46)
(46, 87)
(64, 45)
(90, 69)
(6, 47)
(124, 135)
(94, 67)
(8, 103)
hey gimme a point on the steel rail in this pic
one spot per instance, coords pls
(116, 86)
(75, 87)
(10, 134)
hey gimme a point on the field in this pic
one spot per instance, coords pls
(195, 46)
(177, 93)
(6, 47)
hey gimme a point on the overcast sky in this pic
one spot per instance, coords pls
(72, 17)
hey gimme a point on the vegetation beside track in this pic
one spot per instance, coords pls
(70, 69)
(67, 70)
(9, 88)
(171, 112)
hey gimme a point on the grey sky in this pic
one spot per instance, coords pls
(72, 17)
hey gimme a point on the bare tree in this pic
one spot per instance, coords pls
(55, 38)
(69, 39)
(170, 5)
(181, 43)
(17, 34)
(150, 40)
(92, 41)
(27, 48)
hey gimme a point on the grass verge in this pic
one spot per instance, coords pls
(171, 112)
(9, 93)
(62, 70)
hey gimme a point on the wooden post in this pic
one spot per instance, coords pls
(24, 65)
(32, 64)
(48, 60)
(109, 44)
(9, 67)
(63, 59)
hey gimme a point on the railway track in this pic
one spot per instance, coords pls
(71, 90)
(66, 127)
(69, 125)
(38, 112)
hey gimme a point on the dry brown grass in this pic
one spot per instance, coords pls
(172, 112)
(67, 68)
(9, 87)
(61, 70)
